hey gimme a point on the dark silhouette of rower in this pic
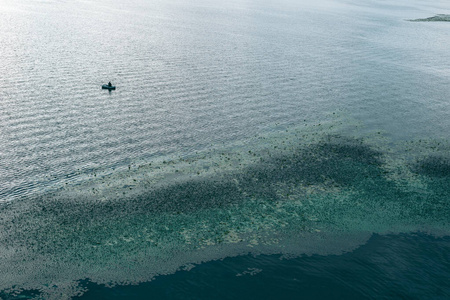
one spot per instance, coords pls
(109, 83)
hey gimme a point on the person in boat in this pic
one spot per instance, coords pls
(109, 83)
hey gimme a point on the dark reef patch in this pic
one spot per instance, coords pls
(436, 18)
(433, 166)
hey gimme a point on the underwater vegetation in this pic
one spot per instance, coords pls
(291, 193)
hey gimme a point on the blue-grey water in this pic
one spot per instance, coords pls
(252, 149)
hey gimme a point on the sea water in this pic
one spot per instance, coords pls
(252, 149)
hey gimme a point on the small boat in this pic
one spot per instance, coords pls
(108, 87)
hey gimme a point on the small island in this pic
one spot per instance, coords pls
(436, 18)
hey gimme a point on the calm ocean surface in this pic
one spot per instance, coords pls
(252, 149)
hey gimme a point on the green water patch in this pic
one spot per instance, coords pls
(311, 189)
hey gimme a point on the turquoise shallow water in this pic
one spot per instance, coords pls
(251, 150)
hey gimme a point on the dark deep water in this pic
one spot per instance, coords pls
(403, 266)
(252, 149)
(413, 266)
